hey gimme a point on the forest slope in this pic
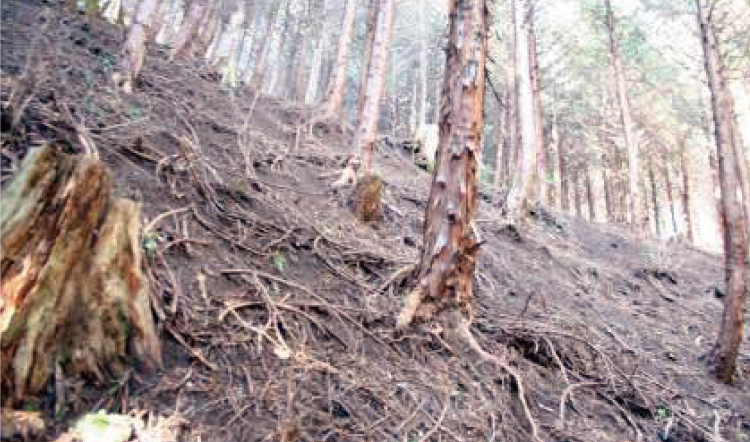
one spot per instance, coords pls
(277, 307)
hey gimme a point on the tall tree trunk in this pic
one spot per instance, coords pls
(296, 57)
(562, 158)
(423, 63)
(274, 23)
(729, 340)
(278, 62)
(636, 218)
(670, 197)
(446, 269)
(686, 193)
(520, 193)
(541, 154)
(334, 100)
(189, 29)
(654, 197)
(313, 80)
(372, 18)
(503, 149)
(590, 197)
(513, 127)
(577, 199)
(608, 200)
(360, 151)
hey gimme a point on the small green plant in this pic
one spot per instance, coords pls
(149, 245)
(278, 260)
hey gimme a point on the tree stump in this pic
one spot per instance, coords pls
(367, 199)
(72, 291)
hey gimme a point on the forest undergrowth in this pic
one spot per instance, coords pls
(277, 308)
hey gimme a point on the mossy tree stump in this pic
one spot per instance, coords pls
(72, 290)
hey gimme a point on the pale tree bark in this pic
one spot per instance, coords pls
(668, 185)
(333, 103)
(423, 62)
(274, 23)
(727, 347)
(360, 151)
(607, 188)
(278, 69)
(590, 195)
(563, 160)
(703, 207)
(145, 21)
(554, 185)
(541, 154)
(503, 151)
(230, 75)
(372, 16)
(174, 12)
(636, 217)
(189, 29)
(577, 198)
(520, 193)
(316, 67)
(513, 127)
(686, 193)
(446, 268)
(654, 197)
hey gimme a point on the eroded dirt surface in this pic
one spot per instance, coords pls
(277, 307)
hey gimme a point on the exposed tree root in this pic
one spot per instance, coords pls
(463, 332)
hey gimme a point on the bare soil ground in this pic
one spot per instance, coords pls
(277, 307)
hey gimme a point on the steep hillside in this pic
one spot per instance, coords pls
(277, 307)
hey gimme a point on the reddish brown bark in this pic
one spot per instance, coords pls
(448, 258)
(729, 340)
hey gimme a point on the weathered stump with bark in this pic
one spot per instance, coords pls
(72, 292)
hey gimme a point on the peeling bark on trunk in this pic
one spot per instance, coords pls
(73, 291)
(447, 263)
(728, 343)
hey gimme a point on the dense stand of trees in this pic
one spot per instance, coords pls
(616, 111)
